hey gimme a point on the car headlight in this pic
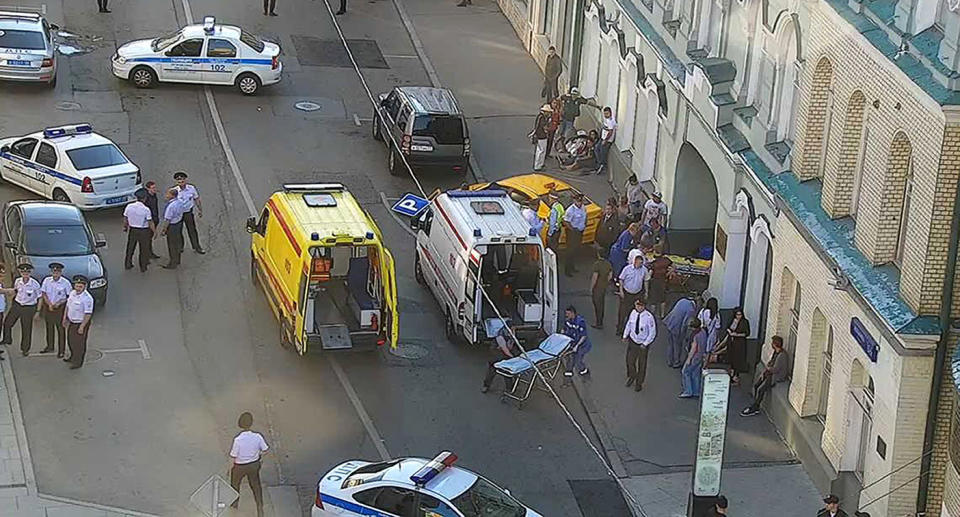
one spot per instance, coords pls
(120, 60)
(97, 283)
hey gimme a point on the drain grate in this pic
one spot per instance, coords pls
(313, 51)
(598, 498)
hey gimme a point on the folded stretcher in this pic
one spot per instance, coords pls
(519, 374)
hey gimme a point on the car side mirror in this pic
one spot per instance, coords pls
(4, 149)
(100, 242)
(251, 225)
(54, 27)
(415, 223)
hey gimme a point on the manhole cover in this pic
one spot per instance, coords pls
(313, 51)
(307, 106)
(93, 355)
(68, 106)
(409, 351)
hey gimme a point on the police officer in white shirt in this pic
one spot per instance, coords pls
(76, 319)
(191, 199)
(633, 279)
(27, 295)
(575, 222)
(138, 224)
(638, 335)
(171, 226)
(247, 449)
(54, 290)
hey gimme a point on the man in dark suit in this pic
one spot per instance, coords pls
(153, 203)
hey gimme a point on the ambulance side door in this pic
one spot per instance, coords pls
(391, 320)
(472, 301)
(550, 301)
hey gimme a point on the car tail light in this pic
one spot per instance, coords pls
(275, 63)
(466, 146)
(87, 186)
(318, 501)
(381, 342)
(460, 310)
(47, 61)
(405, 144)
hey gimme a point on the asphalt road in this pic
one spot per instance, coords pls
(148, 435)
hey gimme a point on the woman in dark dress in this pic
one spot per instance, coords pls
(737, 333)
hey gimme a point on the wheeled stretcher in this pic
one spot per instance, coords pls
(519, 375)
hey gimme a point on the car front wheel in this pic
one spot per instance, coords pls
(143, 77)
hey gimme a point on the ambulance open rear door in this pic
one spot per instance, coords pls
(550, 300)
(390, 301)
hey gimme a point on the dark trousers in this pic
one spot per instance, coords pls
(190, 223)
(637, 363)
(343, 6)
(553, 241)
(600, 149)
(138, 238)
(269, 8)
(760, 390)
(550, 89)
(626, 305)
(491, 370)
(23, 313)
(77, 343)
(599, 300)
(574, 242)
(251, 471)
(102, 4)
(54, 322)
(175, 242)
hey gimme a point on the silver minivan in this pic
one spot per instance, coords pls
(27, 49)
(425, 125)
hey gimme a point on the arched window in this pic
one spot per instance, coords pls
(786, 82)
(893, 202)
(826, 369)
(814, 127)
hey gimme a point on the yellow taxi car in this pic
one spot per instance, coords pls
(323, 266)
(525, 187)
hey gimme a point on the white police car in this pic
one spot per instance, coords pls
(70, 164)
(412, 487)
(208, 53)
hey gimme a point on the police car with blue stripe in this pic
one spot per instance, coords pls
(207, 53)
(70, 164)
(412, 487)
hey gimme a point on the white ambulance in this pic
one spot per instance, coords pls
(466, 236)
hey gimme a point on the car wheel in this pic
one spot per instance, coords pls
(376, 128)
(61, 196)
(143, 77)
(53, 83)
(392, 162)
(285, 335)
(418, 270)
(102, 302)
(248, 84)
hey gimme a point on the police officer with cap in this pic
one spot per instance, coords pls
(27, 295)
(190, 196)
(54, 290)
(76, 319)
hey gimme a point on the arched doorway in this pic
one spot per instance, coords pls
(693, 215)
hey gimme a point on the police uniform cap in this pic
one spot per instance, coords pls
(80, 278)
(179, 174)
(55, 265)
(25, 267)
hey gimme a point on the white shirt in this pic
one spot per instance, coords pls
(576, 216)
(653, 210)
(137, 215)
(706, 323)
(188, 194)
(173, 213)
(634, 193)
(27, 292)
(632, 278)
(78, 305)
(609, 131)
(641, 328)
(3, 301)
(56, 290)
(247, 447)
(532, 219)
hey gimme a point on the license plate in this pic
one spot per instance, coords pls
(421, 148)
(115, 200)
(18, 62)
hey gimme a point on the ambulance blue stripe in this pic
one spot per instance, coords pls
(351, 506)
(41, 168)
(201, 60)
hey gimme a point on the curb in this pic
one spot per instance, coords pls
(13, 399)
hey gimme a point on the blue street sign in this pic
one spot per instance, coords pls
(410, 205)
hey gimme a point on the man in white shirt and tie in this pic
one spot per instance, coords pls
(76, 319)
(638, 335)
(575, 222)
(27, 295)
(138, 223)
(190, 197)
(247, 449)
(633, 280)
(54, 290)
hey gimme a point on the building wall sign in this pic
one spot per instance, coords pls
(863, 337)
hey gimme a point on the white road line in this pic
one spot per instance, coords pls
(252, 209)
(144, 349)
(356, 119)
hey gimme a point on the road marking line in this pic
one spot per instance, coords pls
(356, 119)
(141, 349)
(252, 209)
(364, 417)
(401, 56)
(144, 349)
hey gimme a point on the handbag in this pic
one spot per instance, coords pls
(719, 350)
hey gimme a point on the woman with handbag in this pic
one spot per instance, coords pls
(737, 334)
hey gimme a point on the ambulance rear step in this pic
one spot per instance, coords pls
(335, 337)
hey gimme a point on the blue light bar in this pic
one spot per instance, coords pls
(76, 129)
(478, 193)
(433, 468)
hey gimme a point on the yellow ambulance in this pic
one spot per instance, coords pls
(328, 277)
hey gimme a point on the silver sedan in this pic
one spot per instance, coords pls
(27, 49)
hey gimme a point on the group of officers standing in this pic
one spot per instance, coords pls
(142, 222)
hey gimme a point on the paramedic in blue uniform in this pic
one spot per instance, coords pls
(188, 194)
(27, 295)
(54, 290)
(76, 319)
(575, 327)
(172, 227)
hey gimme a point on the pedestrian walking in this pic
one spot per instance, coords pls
(27, 296)
(608, 133)
(633, 281)
(539, 136)
(574, 222)
(172, 228)
(654, 208)
(138, 223)
(190, 197)
(638, 334)
(831, 507)
(776, 370)
(710, 321)
(269, 7)
(463, 3)
(343, 7)
(530, 214)
(53, 291)
(76, 319)
(247, 452)
(690, 375)
(102, 5)
(551, 74)
(575, 327)
(554, 221)
(599, 280)
(150, 199)
(3, 300)
(609, 228)
(737, 333)
(677, 322)
(622, 246)
(506, 348)
(635, 196)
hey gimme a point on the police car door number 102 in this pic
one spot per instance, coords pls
(218, 67)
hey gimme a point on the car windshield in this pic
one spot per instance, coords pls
(484, 499)
(21, 40)
(163, 42)
(252, 41)
(445, 129)
(95, 157)
(48, 241)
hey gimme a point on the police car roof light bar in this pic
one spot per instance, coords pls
(313, 187)
(478, 193)
(433, 468)
(76, 129)
(209, 24)
(17, 11)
